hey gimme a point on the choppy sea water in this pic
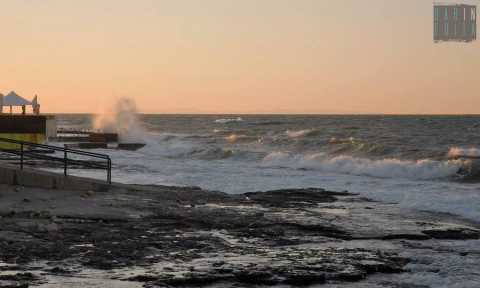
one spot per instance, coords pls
(401, 159)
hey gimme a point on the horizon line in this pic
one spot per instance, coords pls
(279, 114)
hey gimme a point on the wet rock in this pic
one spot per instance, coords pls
(59, 270)
(18, 280)
(192, 280)
(304, 278)
(189, 237)
(455, 234)
(88, 194)
(49, 227)
(143, 278)
(19, 277)
(12, 284)
(294, 197)
(256, 278)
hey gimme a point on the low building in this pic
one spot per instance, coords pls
(34, 127)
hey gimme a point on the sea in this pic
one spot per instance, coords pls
(410, 160)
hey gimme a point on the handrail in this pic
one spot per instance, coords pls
(56, 148)
(22, 153)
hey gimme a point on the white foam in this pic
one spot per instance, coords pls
(298, 133)
(385, 168)
(456, 152)
(335, 140)
(228, 120)
(232, 138)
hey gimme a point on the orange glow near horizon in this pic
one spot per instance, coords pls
(249, 56)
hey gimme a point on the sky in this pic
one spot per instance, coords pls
(236, 56)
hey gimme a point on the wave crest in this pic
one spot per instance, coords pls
(233, 138)
(301, 133)
(457, 152)
(228, 120)
(387, 168)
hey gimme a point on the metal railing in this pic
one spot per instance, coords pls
(24, 151)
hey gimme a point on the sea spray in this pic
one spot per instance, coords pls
(121, 118)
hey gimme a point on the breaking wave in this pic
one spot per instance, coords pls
(457, 152)
(234, 138)
(340, 146)
(387, 168)
(214, 153)
(301, 133)
(349, 140)
(191, 146)
(228, 120)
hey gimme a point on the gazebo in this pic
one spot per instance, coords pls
(12, 99)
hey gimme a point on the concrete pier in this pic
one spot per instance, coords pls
(12, 175)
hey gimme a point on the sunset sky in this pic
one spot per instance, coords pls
(236, 56)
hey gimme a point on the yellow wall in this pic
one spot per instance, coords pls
(29, 137)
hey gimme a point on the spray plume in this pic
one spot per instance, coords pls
(120, 118)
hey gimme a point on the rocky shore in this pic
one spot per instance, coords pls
(153, 236)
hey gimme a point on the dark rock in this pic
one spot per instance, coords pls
(12, 284)
(213, 238)
(454, 234)
(59, 270)
(304, 278)
(143, 278)
(256, 278)
(406, 237)
(27, 276)
(194, 279)
(294, 198)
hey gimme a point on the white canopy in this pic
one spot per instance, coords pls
(12, 99)
(35, 101)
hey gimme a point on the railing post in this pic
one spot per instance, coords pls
(21, 156)
(65, 162)
(109, 172)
